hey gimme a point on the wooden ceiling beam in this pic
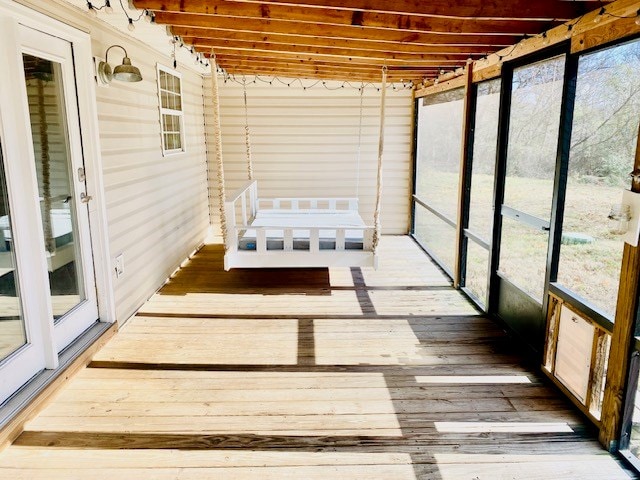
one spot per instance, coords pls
(212, 40)
(239, 69)
(407, 74)
(311, 73)
(233, 63)
(221, 45)
(326, 72)
(332, 17)
(310, 57)
(265, 29)
(248, 61)
(378, 48)
(513, 10)
(345, 32)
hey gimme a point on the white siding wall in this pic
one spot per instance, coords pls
(157, 206)
(305, 143)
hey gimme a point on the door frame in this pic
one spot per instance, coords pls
(529, 324)
(90, 139)
(59, 51)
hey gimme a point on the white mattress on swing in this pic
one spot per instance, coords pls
(297, 220)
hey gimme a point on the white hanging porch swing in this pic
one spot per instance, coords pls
(294, 232)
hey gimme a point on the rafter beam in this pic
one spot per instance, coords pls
(374, 73)
(356, 19)
(233, 61)
(232, 66)
(264, 29)
(311, 73)
(221, 45)
(200, 36)
(511, 10)
(300, 57)
(344, 32)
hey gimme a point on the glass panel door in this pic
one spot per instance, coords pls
(22, 351)
(52, 161)
(26, 337)
(49, 85)
(13, 334)
(47, 285)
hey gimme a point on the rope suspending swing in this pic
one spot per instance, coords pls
(247, 136)
(359, 142)
(376, 214)
(218, 143)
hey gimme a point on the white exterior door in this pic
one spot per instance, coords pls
(47, 282)
(49, 90)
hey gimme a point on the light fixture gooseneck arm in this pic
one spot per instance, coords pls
(106, 55)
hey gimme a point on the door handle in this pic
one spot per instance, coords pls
(84, 198)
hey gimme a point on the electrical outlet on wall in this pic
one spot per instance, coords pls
(119, 265)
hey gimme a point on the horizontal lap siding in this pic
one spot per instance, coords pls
(305, 143)
(157, 205)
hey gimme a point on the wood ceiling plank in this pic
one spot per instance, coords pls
(333, 17)
(243, 62)
(264, 67)
(300, 57)
(231, 64)
(320, 75)
(294, 32)
(297, 71)
(320, 70)
(514, 9)
(204, 37)
(341, 31)
(220, 45)
(259, 62)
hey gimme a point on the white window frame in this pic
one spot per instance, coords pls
(169, 111)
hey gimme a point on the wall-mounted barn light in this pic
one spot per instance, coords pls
(125, 72)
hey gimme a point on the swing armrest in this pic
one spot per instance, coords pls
(242, 204)
(235, 196)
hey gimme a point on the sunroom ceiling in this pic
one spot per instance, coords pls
(353, 39)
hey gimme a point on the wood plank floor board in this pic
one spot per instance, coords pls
(344, 373)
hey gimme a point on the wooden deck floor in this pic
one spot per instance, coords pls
(309, 374)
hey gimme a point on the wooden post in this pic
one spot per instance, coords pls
(622, 338)
(467, 115)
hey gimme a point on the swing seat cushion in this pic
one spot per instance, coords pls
(277, 220)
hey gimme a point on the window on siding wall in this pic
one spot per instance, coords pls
(171, 114)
